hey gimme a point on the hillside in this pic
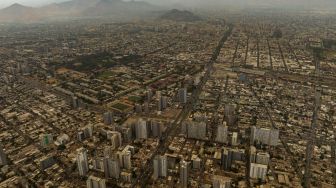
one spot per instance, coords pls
(18, 13)
(77, 9)
(119, 8)
(180, 16)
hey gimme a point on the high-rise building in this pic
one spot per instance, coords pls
(85, 132)
(230, 115)
(264, 136)
(88, 131)
(238, 154)
(111, 168)
(160, 166)
(75, 102)
(263, 158)
(3, 157)
(149, 95)
(197, 79)
(126, 177)
(159, 104)
(184, 174)
(158, 94)
(98, 164)
(120, 158)
(115, 138)
(82, 162)
(254, 135)
(126, 133)
(221, 182)
(182, 94)
(253, 154)
(141, 129)
(226, 158)
(156, 129)
(124, 158)
(258, 171)
(196, 162)
(95, 182)
(80, 136)
(146, 108)
(108, 118)
(231, 155)
(162, 103)
(127, 160)
(222, 133)
(138, 108)
(234, 139)
(46, 140)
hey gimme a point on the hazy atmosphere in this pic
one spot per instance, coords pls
(330, 4)
(5, 3)
(168, 93)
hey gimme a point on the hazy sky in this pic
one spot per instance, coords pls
(277, 3)
(4, 3)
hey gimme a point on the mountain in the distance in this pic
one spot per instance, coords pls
(76, 9)
(119, 8)
(180, 16)
(17, 12)
(72, 8)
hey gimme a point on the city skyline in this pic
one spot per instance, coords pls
(108, 93)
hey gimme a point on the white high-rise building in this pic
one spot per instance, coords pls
(221, 182)
(126, 177)
(95, 182)
(125, 159)
(158, 94)
(234, 139)
(222, 133)
(264, 136)
(253, 154)
(258, 171)
(115, 138)
(82, 162)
